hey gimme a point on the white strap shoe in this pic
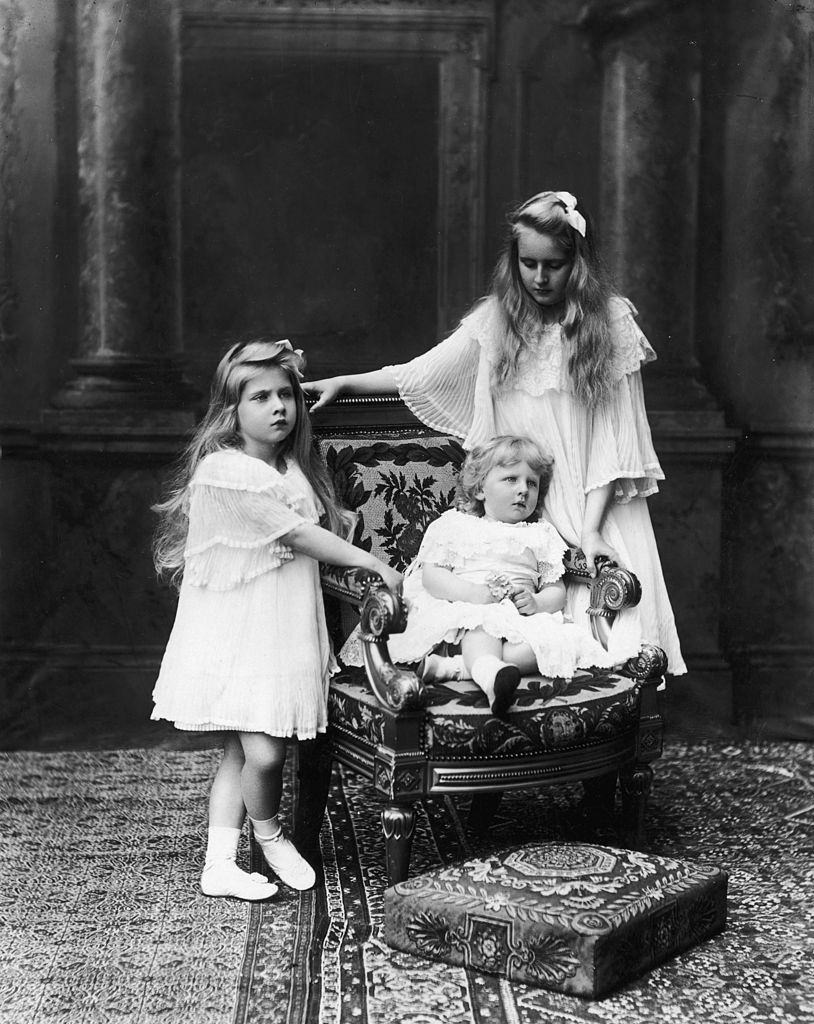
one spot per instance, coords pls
(287, 863)
(225, 878)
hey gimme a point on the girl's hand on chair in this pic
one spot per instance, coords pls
(327, 390)
(592, 546)
(523, 600)
(392, 579)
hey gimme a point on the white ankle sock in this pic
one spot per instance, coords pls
(221, 844)
(268, 828)
(484, 670)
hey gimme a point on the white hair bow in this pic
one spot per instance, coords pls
(572, 215)
(286, 344)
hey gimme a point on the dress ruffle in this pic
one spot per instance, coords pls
(621, 448)
(239, 508)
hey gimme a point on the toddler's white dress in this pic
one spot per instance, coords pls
(475, 547)
(249, 650)
(449, 388)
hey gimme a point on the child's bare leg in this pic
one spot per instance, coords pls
(221, 875)
(226, 807)
(262, 781)
(483, 657)
(522, 656)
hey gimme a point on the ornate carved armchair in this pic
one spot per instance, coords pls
(410, 740)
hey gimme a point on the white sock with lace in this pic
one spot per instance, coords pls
(268, 828)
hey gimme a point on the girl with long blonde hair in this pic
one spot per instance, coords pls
(249, 654)
(553, 354)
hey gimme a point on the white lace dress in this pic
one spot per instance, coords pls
(473, 547)
(249, 649)
(449, 389)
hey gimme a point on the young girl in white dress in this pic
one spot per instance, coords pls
(552, 354)
(249, 653)
(488, 575)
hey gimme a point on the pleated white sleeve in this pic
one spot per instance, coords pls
(439, 386)
(621, 445)
(239, 509)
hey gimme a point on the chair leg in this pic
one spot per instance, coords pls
(636, 781)
(596, 813)
(398, 825)
(482, 810)
(600, 795)
(314, 761)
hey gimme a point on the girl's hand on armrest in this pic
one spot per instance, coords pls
(392, 579)
(327, 390)
(592, 545)
(374, 382)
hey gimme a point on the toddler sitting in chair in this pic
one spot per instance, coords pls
(488, 576)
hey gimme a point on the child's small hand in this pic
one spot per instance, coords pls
(523, 599)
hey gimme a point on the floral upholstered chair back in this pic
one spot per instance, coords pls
(398, 481)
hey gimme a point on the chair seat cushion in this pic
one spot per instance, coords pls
(570, 917)
(547, 715)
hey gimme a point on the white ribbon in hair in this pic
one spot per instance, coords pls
(572, 215)
(285, 343)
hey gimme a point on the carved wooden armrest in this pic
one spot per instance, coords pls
(612, 589)
(383, 612)
(346, 584)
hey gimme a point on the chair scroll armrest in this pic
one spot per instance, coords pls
(648, 666)
(612, 589)
(383, 612)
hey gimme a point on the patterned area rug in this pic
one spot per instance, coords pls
(100, 915)
(747, 809)
(101, 919)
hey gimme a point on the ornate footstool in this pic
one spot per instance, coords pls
(575, 918)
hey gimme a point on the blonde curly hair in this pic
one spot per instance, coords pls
(504, 450)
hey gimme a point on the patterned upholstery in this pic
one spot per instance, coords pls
(570, 917)
(548, 715)
(399, 486)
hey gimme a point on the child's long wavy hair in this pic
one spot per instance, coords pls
(219, 429)
(504, 450)
(586, 320)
